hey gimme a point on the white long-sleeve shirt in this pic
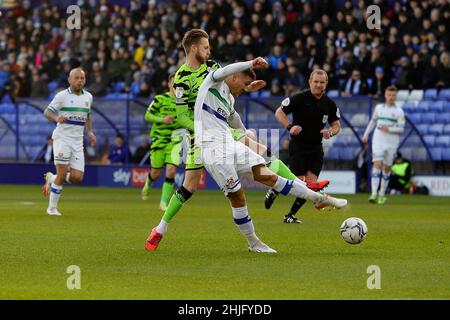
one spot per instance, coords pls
(214, 112)
(390, 116)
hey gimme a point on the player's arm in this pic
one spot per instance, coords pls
(222, 73)
(286, 108)
(372, 124)
(399, 127)
(335, 124)
(90, 131)
(51, 112)
(235, 121)
(152, 113)
(184, 119)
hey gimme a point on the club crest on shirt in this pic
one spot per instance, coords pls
(86, 104)
(230, 182)
(325, 118)
(286, 102)
(179, 92)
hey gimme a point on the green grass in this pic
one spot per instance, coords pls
(203, 256)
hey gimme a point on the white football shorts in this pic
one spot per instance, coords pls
(69, 152)
(226, 162)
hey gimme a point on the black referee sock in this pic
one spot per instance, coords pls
(298, 203)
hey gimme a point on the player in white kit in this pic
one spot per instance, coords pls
(226, 159)
(388, 120)
(70, 109)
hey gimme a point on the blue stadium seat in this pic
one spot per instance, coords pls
(423, 128)
(444, 94)
(442, 141)
(428, 117)
(437, 106)
(333, 93)
(119, 86)
(447, 106)
(443, 118)
(332, 154)
(436, 129)
(406, 152)
(10, 118)
(348, 153)
(52, 86)
(436, 154)
(446, 154)
(415, 118)
(7, 108)
(429, 140)
(413, 141)
(419, 154)
(446, 129)
(423, 106)
(410, 106)
(430, 94)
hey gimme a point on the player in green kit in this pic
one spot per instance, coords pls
(165, 149)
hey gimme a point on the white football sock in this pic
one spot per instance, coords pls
(162, 227)
(295, 188)
(245, 224)
(54, 196)
(384, 183)
(376, 173)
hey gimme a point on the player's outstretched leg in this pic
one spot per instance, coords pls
(299, 190)
(279, 168)
(49, 179)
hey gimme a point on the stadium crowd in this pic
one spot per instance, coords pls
(133, 48)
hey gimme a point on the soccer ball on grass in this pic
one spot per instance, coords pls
(353, 230)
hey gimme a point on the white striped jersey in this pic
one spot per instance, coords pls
(213, 107)
(392, 117)
(75, 108)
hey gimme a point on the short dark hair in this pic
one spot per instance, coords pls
(193, 37)
(249, 73)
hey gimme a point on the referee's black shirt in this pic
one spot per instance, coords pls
(311, 114)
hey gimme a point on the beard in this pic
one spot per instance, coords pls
(200, 59)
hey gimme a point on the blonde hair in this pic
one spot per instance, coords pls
(192, 37)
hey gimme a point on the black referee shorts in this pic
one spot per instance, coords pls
(304, 158)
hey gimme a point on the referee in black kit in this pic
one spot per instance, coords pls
(311, 110)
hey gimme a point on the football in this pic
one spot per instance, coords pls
(353, 230)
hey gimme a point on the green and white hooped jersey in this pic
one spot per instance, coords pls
(392, 117)
(75, 108)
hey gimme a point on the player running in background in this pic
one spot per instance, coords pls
(71, 110)
(166, 143)
(388, 120)
(226, 159)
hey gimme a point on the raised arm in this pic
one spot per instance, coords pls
(222, 73)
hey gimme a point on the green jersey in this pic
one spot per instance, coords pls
(186, 84)
(162, 105)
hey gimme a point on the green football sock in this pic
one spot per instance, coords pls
(167, 189)
(277, 166)
(176, 202)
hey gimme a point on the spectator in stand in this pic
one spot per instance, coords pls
(355, 85)
(119, 152)
(379, 84)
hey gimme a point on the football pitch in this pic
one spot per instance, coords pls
(102, 232)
